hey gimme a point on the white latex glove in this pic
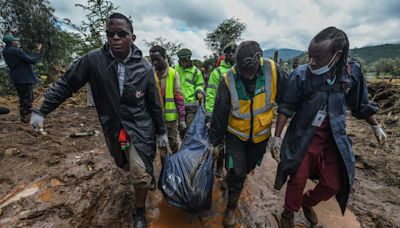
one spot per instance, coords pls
(36, 122)
(182, 125)
(379, 133)
(276, 148)
(162, 141)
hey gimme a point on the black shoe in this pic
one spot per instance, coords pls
(139, 221)
(287, 219)
(310, 215)
(229, 220)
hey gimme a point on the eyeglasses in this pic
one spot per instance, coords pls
(120, 33)
(255, 60)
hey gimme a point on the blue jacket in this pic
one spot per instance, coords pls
(20, 65)
(306, 94)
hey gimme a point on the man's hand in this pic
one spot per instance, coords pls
(379, 133)
(36, 122)
(276, 148)
(162, 141)
(182, 125)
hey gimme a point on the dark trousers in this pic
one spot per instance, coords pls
(323, 161)
(244, 156)
(25, 94)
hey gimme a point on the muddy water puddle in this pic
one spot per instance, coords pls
(173, 217)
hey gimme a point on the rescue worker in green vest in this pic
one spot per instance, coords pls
(213, 82)
(192, 83)
(245, 98)
(169, 89)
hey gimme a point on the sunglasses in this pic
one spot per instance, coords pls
(250, 61)
(120, 33)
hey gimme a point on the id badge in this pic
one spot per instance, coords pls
(319, 118)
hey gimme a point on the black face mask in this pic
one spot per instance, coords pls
(248, 66)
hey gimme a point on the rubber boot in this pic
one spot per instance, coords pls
(139, 220)
(229, 217)
(310, 215)
(24, 116)
(287, 219)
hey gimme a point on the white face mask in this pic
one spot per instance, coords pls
(325, 68)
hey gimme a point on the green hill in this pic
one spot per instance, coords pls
(372, 53)
(283, 53)
(369, 54)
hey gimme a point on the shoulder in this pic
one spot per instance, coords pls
(94, 55)
(299, 74)
(353, 65)
(146, 64)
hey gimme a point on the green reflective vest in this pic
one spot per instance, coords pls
(169, 107)
(212, 86)
(192, 82)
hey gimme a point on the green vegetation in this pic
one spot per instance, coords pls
(230, 30)
(380, 60)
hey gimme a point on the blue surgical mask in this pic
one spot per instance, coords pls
(324, 69)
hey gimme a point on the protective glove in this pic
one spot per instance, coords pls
(182, 125)
(36, 122)
(379, 133)
(162, 141)
(276, 148)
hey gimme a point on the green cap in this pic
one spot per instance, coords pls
(8, 38)
(184, 53)
(230, 45)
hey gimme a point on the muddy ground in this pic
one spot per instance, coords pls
(56, 180)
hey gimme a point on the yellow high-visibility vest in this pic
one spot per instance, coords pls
(250, 119)
(169, 107)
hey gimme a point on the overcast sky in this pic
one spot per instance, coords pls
(273, 23)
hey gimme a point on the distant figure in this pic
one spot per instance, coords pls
(295, 64)
(192, 84)
(219, 60)
(21, 73)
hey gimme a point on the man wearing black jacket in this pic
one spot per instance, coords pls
(127, 102)
(245, 98)
(21, 73)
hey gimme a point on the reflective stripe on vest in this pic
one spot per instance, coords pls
(170, 108)
(239, 122)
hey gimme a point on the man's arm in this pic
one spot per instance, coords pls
(199, 82)
(27, 58)
(281, 82)
(211, 92)
(76, 77)
(220, 116)
(357, 98)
